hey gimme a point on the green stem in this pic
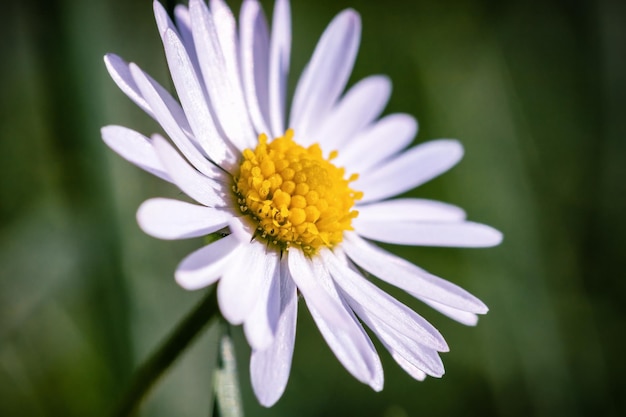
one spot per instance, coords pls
(147, 375)
(226, 381)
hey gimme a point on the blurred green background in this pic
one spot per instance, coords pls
(535, 90)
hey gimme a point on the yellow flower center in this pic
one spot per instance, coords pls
(294, 195)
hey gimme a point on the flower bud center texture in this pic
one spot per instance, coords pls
(294, 195)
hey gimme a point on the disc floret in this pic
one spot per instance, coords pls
(295, 196)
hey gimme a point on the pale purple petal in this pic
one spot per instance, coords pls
(162, 18)
(458, 234)
(118, 69)
(135, 148)
(207, 264)
(226, 29)
(171, 117)
(409, 170)
(305, 274)
(182, 29)
(194, 102)
(413, 356)
(254, 52)
(408, 367)
(408, 277)
(326, 75)
(261, 324)
(269, 368)
(197, 186)
(356, 109)
(411, 210)
(183, 23)
(280, 53)
(463, 317)
(381, 140)
(242, 283)
(366, 298)
(164, 218)
(216, 47)
(354, 349)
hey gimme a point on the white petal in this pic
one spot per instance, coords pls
(280, 52)
(205, 266)
(242, 228)
(403, 274)
(118, 69)
(363, 296)
(408, 367)
(412, 356)
(202, 189)
(173, 219)
(226, 29)
(459, 234)
(356, 109)
(409, 170)
(463, 317)
(183, 22)
(354, 349)
(260, 325)
(254, 49)
(269, 368)
(216, 45)
(411, 210)
(378, 142)
(194, 102)
(171, 117)
(135, 148)
(244, 280)
(305, 275)
(162, 18)
(326, 75)
(182, 28)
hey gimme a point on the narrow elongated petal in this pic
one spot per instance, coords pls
(242, 283)
(413, 356)
(206, 265)
(269, 368)
(164, 218)
(463, 317)
(182, 28)
(216, 46)
(403, 274)
(195, 103)
(409, 170)
(119, 71)
(202, 189)
(280, 53)
(408, 367)
(327, 73)
(381, 140)
(162, 18)
(135, 148)
(411, 210)
(171, 117)
(226, 29)
(356, 109)
(363, 296)
(261, 324)
(458, 234)
(354, 349)
(183, 23)
(306, 278)
(254, 56)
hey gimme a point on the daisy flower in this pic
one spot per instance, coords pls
(296, 196)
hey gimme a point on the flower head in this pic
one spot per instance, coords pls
(298, 197)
